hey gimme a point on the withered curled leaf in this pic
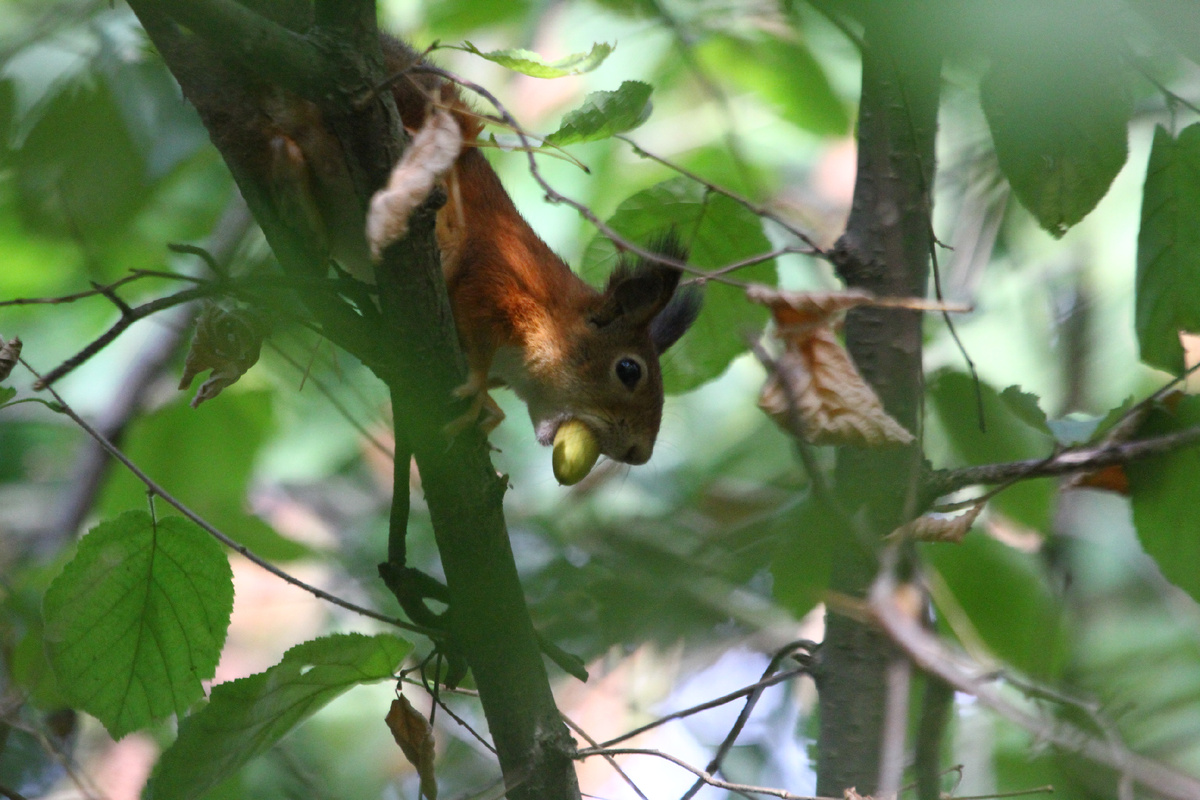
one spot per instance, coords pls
(939, 527)
(815, 385)
(415, 736)
(10, 352)
(226, 341)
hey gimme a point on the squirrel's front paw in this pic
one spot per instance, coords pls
(483, 409)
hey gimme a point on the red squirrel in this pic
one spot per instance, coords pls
(524, 319)
(527, 321)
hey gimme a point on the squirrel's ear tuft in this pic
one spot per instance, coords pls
(637, 293)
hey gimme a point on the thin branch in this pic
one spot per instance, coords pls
(95, 291)
(91, 464)
(612, 762)
(720, 701)
(714, 765)
(755, 208)
(158, 490)
(699, 773)
(128, 317)
(1078, 459)
(932, 655)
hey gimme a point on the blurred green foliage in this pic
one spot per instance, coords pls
(719, 543)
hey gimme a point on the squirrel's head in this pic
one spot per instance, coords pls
(615, 385)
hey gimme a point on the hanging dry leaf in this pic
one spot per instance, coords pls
(1109, 479)
(432, 152)
(815, 385)
(939, 527)
(228, 343)
(415, 736)
(10, 352)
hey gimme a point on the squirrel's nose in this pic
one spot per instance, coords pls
(636, 455)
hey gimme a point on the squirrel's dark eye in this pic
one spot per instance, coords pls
(629, 372)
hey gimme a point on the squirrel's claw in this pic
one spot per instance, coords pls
(483, 411)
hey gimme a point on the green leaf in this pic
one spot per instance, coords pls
(205, 455)
(137, 619)
(800, 569)
(1163, 491)
(785, 74)
(605, 114)
(719, 232)
(532, 64)
(1007, 599)
(1059, 125)
(1168, 259)
(1016, 430)
(246, 717)
(6, 393)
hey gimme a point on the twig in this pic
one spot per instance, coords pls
(932, 655)
(95, 291)
(753, 207)
(128, 317)
(701, 774)
(1047, 789)
(91, 464)
(218, 535)
(1079, 459)
(612, 762)
(720, 701)
(751, 701)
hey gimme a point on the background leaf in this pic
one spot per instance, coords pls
(604, 114)
(206, 456)
(1007, 599)
(718, 232)
(1168, 258)
(1163, 492)
(244, 718)
(532, 64)
(137, 619)
(1012, 434)
(785, 74)
(1059, 126)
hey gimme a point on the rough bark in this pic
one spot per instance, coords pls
(884, 249)
(409, 341)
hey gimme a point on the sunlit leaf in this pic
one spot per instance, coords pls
(784, 73)
(137, 619)
(1059, 128)
(534, 65)
(718, 232)
(1163, 492)
(244, 718)
(604, 114)
(1168, 275)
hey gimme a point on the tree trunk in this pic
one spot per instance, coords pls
(884, 249)
(229, 62)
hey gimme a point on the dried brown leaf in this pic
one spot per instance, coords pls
(10, 352)
(815, 390)
(939, 527)
(414, 734)
(816, 385)
(228, 343)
